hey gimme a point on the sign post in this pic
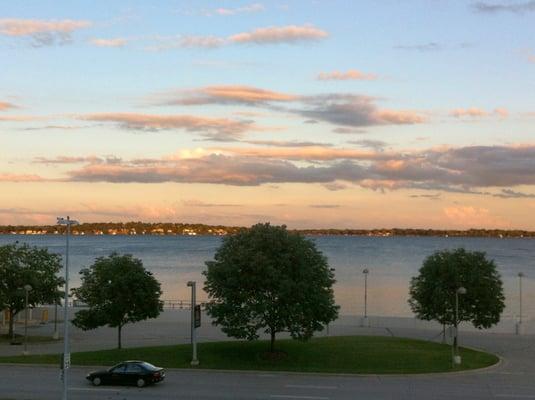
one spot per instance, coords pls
(197, 316)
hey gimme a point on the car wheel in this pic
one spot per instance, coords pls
(96, 381)
(140, 382)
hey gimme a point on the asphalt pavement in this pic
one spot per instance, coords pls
(513, 378)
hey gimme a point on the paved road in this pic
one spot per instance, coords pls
(21, 383)
(513, 379)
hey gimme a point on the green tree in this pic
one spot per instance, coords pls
(432, 292)
(266, 278)
(22, 265)
(118, 290)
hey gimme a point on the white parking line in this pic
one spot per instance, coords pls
(311, 387)
(289, 396)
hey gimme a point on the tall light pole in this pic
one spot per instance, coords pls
(365, 271)
(27, 289)
(194, 360)
(519, 324)
(456, 357)
(66, 361)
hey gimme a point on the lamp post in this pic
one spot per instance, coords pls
(27, 289)
(456, 356)
(365, 271)
(194, 360)
(66, 361)
(519, 323)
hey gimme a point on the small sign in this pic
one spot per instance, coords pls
(197, 312)
(67, 361)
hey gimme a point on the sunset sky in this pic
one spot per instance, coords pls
(348, 114)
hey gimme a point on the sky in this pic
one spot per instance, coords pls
(313, 114)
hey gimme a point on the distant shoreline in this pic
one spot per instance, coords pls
(182, 229)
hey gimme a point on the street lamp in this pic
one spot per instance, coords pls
(365, 271)
(27, 289)
(456, 357)
(519, 323)
(66, 361)
(194, 360)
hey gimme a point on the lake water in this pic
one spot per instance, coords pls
(392, 261)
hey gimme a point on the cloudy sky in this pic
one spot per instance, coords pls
(309, 113)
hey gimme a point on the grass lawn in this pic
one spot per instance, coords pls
(345, 354)
(6, 339)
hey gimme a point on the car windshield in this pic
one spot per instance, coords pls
(149, 366)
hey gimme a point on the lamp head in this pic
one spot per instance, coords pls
(461, 290)
(28, 287)
(520, 274)
(66, 221)
(191, 283)
(365, 271)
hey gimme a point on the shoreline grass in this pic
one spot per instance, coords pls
(343, 354)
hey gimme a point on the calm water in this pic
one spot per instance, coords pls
(392, 261)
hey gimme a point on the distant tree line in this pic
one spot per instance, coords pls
(166, 228)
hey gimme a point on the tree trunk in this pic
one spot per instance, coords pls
(119, 344)
(11, 332)
(272, 346)
(455, 338)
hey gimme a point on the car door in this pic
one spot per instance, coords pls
(133, 373)
(117, 374)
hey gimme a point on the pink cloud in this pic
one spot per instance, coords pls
(280, 34)
(469, 112)
(501, 112)
(251, 8)
(351, 74)
(469, 216)
(304, 153)
(28, 27)
(20, 178)
(6, 106)
(42, 32)
(20, 118)
(227, 94)
(214, 128)
(117, 42)
(399, 117)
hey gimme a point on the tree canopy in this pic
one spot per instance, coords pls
(266, 278)
(432, 292)
(22, 265)
(118, 290)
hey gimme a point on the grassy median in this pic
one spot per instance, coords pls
(346, 354)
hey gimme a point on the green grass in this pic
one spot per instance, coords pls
(346, 354)
(6, 339)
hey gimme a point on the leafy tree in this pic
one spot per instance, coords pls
(432, 292)
(118, 290)
(266, 278)
(22, 265)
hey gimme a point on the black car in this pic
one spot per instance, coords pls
(138, 373)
